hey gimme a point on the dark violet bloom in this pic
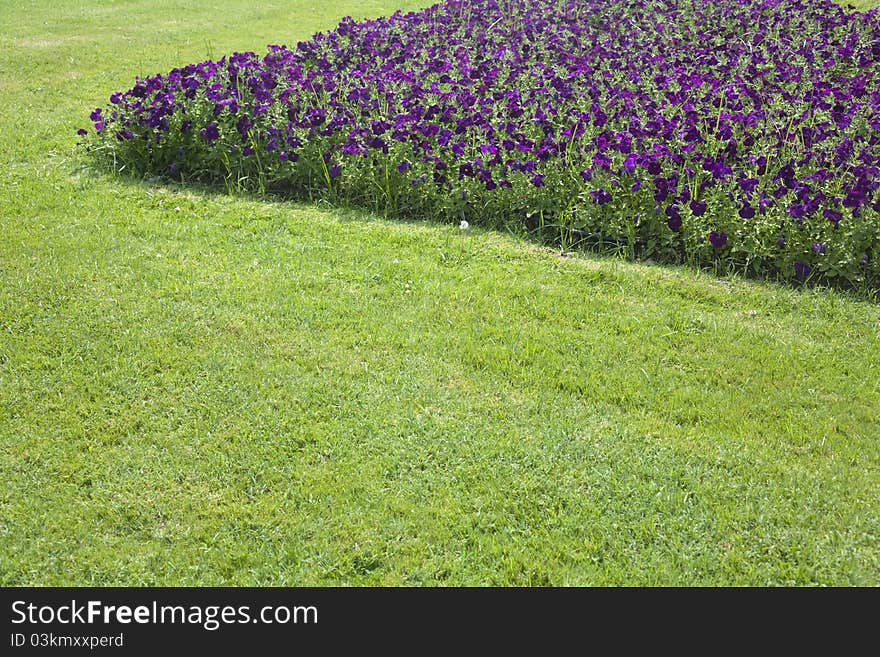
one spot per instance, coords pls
(747, 211)
(602, 161)
(674, 218)
(832, 216)
(172, 168)
(210, 133)
(802, 269)
(780, 241)
(601, 196)
(247, 151)
(698, 208)
(116, 98)
(95, 116)
(316, 117)
(720, 170)
(761, 162)
(587, 175)
(718, 240)
(748, 185)
(629, 164)
(786, 174)
(796, 210)
(538, 179)
(335, 171)
(186, 126)
(244, 124)
(853, 199)
(82, 132)
(404, 166)
(819, 248)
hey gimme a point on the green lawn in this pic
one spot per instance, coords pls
(203, 389)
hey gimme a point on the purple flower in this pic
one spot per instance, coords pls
(698, 208)
(602, 161)
(210, 133)
(796, 210)
(746, 211)
(785, 121)
(801, 269)
(243, 125)
(718, 240)
(748, 185)
(601, 196)
(832, 216)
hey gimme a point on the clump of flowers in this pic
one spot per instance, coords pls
(737, 134)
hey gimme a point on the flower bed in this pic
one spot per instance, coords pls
(736, 134)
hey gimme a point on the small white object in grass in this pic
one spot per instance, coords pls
(463, 225)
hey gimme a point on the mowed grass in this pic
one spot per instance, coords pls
(197, 388)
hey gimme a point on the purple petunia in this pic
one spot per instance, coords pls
(601, 196)
(484, 97)
(698, 208)
(801, 269)
(718, 239)
(210, 133)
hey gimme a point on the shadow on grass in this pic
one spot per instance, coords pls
(573, 243)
